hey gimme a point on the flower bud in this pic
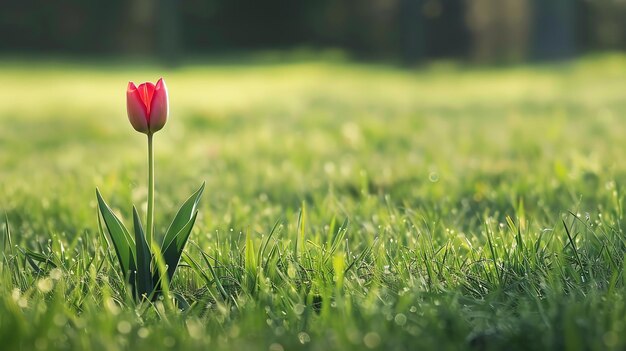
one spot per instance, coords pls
(147, 106)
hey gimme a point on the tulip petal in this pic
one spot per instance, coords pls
(159, 107)
(146, 92)
(136, 109)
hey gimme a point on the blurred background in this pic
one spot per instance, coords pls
(408, 31)
(278, 101)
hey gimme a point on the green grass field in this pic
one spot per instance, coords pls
(347, 206)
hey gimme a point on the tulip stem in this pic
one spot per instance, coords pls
(150, 224)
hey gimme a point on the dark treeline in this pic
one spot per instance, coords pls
(412, 30)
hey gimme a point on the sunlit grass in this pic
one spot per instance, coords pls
(436, 202)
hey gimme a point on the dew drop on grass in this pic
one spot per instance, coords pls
(45, 285)
(124, 327)
(433, 177)
(304, 337)
(16, 295)
(298, 308)
(371, 340)
(400, 319)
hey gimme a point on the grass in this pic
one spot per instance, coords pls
(347, 206)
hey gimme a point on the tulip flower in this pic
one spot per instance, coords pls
(148, 267)
(147, 106)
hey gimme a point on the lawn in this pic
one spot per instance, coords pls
(347, 206)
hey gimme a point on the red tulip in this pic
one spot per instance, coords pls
(147, 106)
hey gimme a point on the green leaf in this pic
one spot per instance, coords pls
(182, 217)
(300, 236)
(144, 277)
(250, 262)
(39, 257)
(174, 250)
(122, 241)
(7, 242)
